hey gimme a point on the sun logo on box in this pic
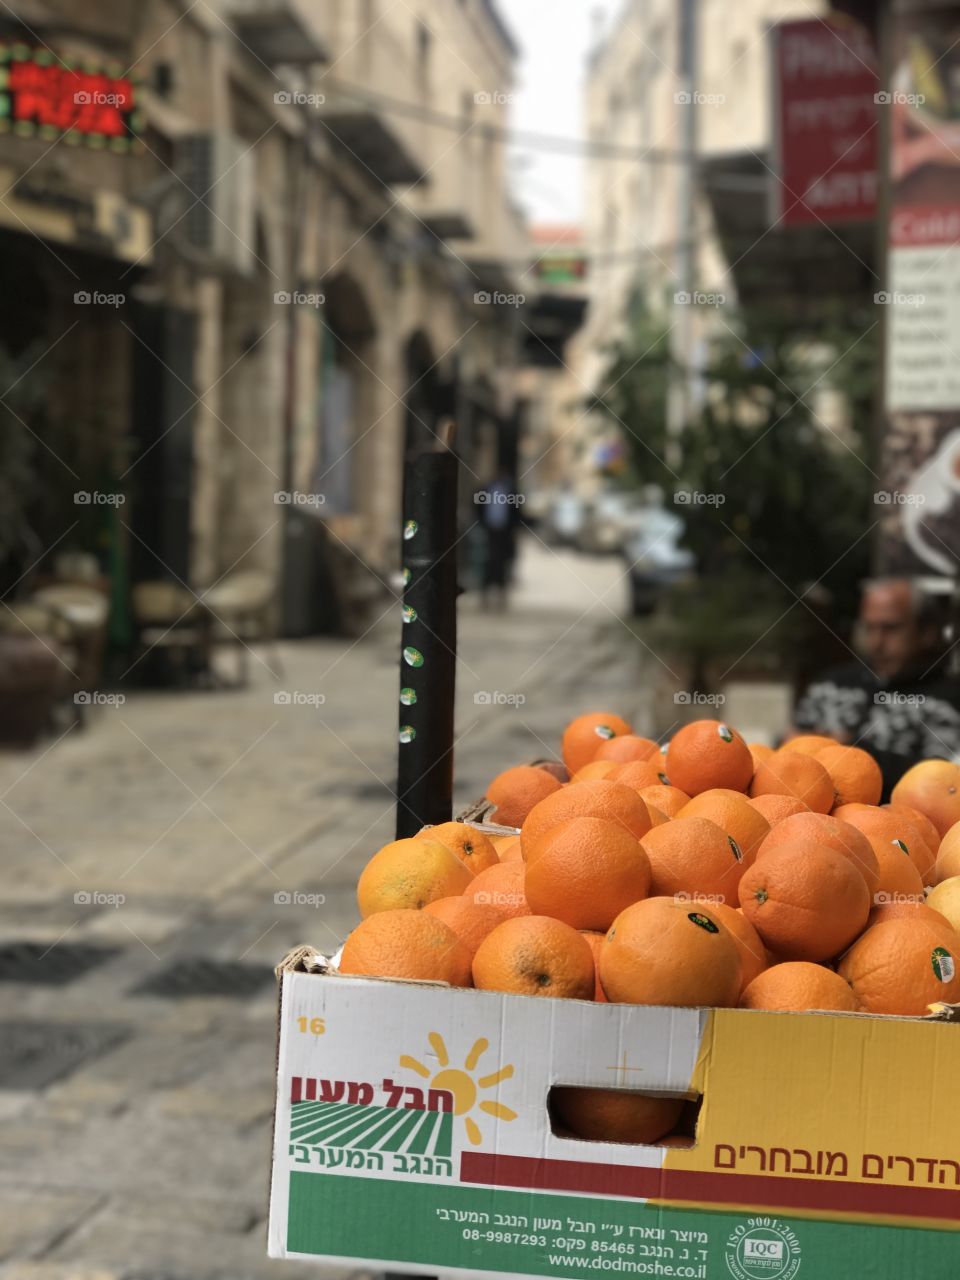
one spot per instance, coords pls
(460, 1082)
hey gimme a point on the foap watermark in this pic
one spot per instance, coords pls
(897, 498)
(297, 898)
(891, 698)
(96, 298)
(294, 498)
(297, 698)
(694, 98)
(298, 98)
(496, 498)
(700, 899)
(695, 498)
(485, 298)
(885, 899)
(98, 98)
(894, 298)
(896, 98)
(94, 698)
(694, 698)
(298, 298)
(698, 298)
(97, 898)
(94, 498)
(494, 98)
(497, 698)
(497, 898)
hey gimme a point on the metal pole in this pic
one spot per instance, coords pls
(679, 397)
(428, 658)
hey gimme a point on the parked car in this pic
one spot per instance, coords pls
(613, 514)
(568, 513)
(655, 559)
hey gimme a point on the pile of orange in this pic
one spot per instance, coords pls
(709, 872)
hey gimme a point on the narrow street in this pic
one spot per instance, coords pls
(162, 861)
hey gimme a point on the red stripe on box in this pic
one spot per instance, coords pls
(707, 1188)
(311, 1090)
(296, 1083)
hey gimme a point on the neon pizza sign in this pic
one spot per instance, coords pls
(48, 97)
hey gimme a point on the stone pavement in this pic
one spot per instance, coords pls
(135, 1124)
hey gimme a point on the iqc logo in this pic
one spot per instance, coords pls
(763, 1247)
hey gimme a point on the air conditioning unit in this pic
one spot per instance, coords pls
(219, 170)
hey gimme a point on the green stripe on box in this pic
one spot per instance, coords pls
(371, 1128)
(437, 1225)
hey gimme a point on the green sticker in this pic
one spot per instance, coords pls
(407, 733)
(412, 657)
(406, 575)
(408, 696)
(702, 922)
(736, 849)
(664, 779)
(409, 613)
(409, 530)
(943, 964)
(901, 846)
(604, 731)
(725, 732)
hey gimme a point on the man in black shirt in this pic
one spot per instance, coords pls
(898, 702)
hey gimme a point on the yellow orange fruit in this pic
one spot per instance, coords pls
(502, 887)
(586, 871)
(808, 744)
(595, 769)
(777, 807)
(891, 826)
(902, 967)
(948, 855)
(626, 747)
(855, 775)
(669, 800)
(933, 787)
(806, 901)
(928, 832)
(693, 856)
(832, 833)
(474, 849)
(535, 956)
(664, 952)
(515, 791)
(909, 909)
(614, 1115)
(510, 851)
(598, 799)
(753, 954)
(790, 773)
(759, 751)
(799, 985)
(733, 813)
(406, 944)
(639, 774)
(409, 874)
(470, 921)
(583, 737)
(707, 754)
(945, 898)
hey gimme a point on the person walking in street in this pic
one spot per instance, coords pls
(499, 513)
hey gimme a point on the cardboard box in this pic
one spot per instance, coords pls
(412, 1133)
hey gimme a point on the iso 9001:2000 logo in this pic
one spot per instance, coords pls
(763, 1249)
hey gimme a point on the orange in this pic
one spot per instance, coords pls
(693, 857)
(515, 792)
(899, 878)
(410, 873)
(885, 827)
(406, 944)
(807, 902)
(733, 813)
(501, 887)
(657, 816)
(640, 774)
(708, 754)
(614, 1115)
(759, 751)
(598, 799)
(595, 769)
(627, 747)
(753, 954)
(902, 967)
(948, 855)
(775, 808)
(510, 850)
(808, 744)
(855, 775)
(535, 956)
(587, 870)
(583, 737)
(909, 909)
(669, 800)
(664, 952)
(945, 900)
(475, 850)
(798, 985)
(789, 773)
(470, 921)
(831, 833)
(928, 832)
(933, 787)
(595, 942)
